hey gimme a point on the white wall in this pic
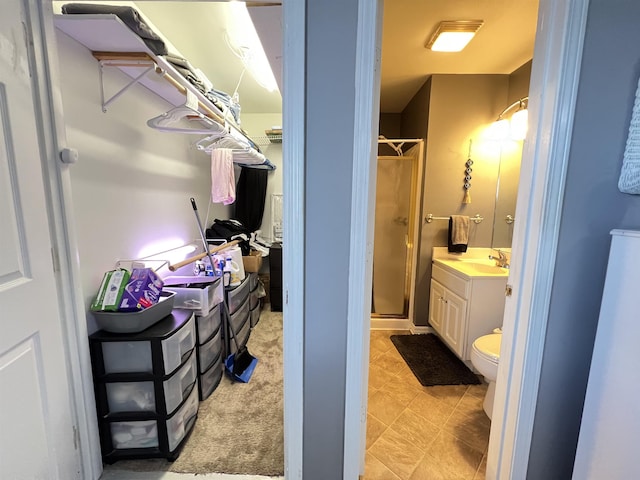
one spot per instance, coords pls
(131, 186)
(255, 125)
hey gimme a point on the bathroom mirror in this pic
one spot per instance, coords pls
(506, 193)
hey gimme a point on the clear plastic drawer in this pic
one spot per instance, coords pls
(238, 318)
(238, 295)
(210, 379)
(140, 396)
(208, 352)
(243, 337)
(177, 346)
(255, 316)
(176, 337)
(138, 434)
(181, 422)
(201, 297)
(206, 325)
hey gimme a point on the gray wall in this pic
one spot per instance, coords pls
(330, 80)
(592, 207)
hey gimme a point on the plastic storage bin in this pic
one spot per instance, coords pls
(207, 325)
(201, 297)
(133, 322)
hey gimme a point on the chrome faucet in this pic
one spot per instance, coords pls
(501, 260)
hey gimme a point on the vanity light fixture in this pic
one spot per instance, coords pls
(514, 128)
(453, 35)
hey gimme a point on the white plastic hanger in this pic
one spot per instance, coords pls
(187, 119)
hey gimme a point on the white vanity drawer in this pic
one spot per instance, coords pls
(450, 280)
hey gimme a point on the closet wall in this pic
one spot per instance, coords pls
(132, 184)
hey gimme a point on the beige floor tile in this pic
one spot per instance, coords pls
(450, 394)
(478, 390)
(397, 453)
(375, 428)
(482, 470)
(374, 469)
(418, 430)
(379, 376)
(390, 362)
(400, 390)
(406, 374)
(384, 407)
(448, 459)
(431, 408)
(470, 403)
(471, 428)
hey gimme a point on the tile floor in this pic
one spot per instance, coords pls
(420, 433)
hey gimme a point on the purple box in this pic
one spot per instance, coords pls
(142, 290)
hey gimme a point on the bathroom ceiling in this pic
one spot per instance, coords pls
(504, 43)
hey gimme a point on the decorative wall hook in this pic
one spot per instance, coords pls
(467, 177)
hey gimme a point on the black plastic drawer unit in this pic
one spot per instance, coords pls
(146, 388)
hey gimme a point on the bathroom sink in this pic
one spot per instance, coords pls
(475, 267)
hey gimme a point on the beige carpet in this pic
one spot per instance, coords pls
(240, 426)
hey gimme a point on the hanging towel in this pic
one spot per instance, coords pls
(458, 233)
(223, 180)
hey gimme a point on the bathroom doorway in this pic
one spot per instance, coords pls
(396, 224)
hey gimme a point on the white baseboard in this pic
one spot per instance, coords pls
(391, 324)
(421, 329)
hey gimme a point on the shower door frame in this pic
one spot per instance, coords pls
(413, 231)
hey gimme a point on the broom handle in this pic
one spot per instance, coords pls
(189, 260)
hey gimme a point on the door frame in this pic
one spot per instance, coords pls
(553, 91)
(57, 183)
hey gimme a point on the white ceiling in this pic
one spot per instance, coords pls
(504, 43)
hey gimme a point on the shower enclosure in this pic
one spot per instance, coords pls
(397, 220)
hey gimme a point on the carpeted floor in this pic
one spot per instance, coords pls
(432, 362)
(240, 427)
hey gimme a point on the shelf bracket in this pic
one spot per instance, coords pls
(103, 64)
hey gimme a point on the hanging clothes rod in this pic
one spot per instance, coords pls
(430, 218)
(399, 141)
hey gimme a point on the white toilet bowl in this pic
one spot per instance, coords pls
(485, 355)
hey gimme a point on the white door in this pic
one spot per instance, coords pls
(36, 427)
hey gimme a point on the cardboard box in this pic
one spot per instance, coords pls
(110, 291)
(252, 262)
(142, 291)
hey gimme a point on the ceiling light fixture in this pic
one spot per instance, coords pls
(453, 35)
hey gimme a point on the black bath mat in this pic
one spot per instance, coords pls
(432, 362)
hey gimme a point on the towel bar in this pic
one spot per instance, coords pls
(430, 218)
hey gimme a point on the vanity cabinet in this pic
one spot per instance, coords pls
(463, 307)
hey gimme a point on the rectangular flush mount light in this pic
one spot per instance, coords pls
(453, 36)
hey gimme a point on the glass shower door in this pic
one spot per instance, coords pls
(393, 229)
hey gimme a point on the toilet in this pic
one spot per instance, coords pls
(485, 354)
